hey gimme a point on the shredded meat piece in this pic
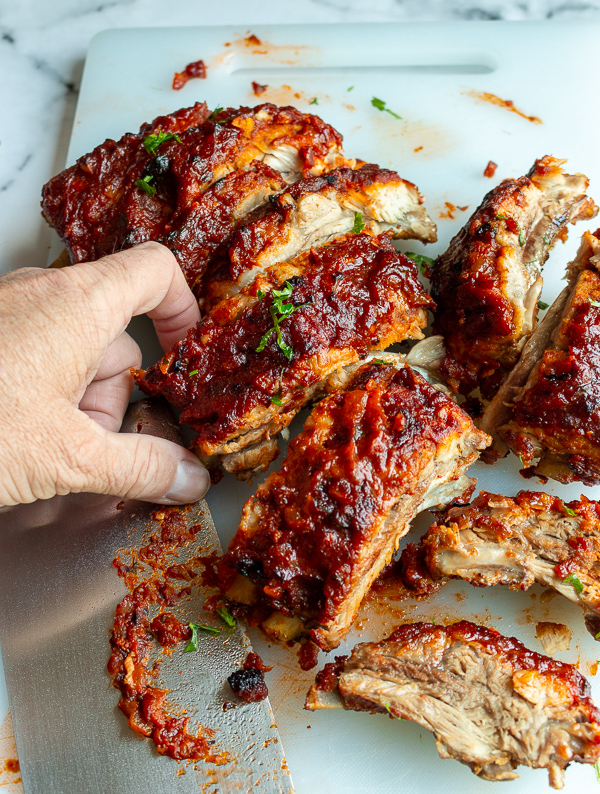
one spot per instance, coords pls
(354, 295)
(487, 284)
(490, 702)
(555, 422)
(317, 534)
(532, 538)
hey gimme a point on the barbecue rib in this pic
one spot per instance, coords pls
(150, 187)
(490, 702)
(241, 384)
(316, 534)
(313, 211)
(487, 284)
(532, 538)
(555, 422)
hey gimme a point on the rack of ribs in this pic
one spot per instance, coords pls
(186, 180)
(317, 533)
(497, 540)
(491, 703)
(549, 412)
(313, 211)
(241, 384)
(487, 284)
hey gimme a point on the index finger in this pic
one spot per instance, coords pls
(142, 280)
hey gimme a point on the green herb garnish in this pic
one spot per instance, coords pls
(380, 105)
(543, 305)
(314, 101)
(215, 112)
(196, 627)
(597, 768)
(568, 511)
(379, 361)
(501, 217)
(546, 240)
(153, 141)
(422, 261)
(597, 637)
(522, 239)
(144, 184)
(573, 580)
(226, 617)
(275, 398)
(193, 372)
(280, 310)
(596, 304)
(359, 224)
(351, 88)
(391, 713)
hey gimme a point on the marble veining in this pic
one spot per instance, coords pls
(42, 50)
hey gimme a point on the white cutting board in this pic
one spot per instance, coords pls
(425, 73)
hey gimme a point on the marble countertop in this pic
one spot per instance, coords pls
(42, 50)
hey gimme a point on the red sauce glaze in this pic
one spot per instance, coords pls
(352, 288)
(168, 630)
(258, 89)
(562, 407)
(308, 655)
(327, 678)
(145, 705)
(359, 452)
(197, 69)
(253, 661)
(11, 765)
(490, 169)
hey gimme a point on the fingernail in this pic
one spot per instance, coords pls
(191, 482)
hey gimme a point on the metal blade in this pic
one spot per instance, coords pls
(58, 593)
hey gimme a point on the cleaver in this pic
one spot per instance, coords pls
(58, 594)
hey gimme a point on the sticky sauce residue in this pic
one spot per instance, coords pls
(10, 778)
(286, 95)
(451, 209)
(283, 53)
(508, 104)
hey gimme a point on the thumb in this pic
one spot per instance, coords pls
(137, 466)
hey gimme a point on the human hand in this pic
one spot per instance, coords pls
(65, 380)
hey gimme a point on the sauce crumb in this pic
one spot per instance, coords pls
(258, 89)
(197, 69)
(490, 169)
(418, 149)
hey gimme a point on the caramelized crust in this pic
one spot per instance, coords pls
(311, 212)
(487, 283)
(317, 533)
(356, 294)
(97, 208)
(491, 703)
(532, 538)
(555, 426)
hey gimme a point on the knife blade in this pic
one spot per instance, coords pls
(58, 594)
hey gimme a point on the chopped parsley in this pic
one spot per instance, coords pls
(260, 294)
(522, 239)
(380, 105)
(196, 627)
(359, 224)
(226, 617)
(543, 305)
(379, 361)
(569, 511)
(214, 114)
(144, 184)
(153, 141)
(501, 217)
(423, 262)
(595, 304)
(275, 398)
(193, 372)
(546, 240)
(351, 88)
(314, 101)
(597, 637)
(574, 580)
(279, 311)
(391, 713)
(597, 768)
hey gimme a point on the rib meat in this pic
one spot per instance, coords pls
(349, 297)
(317, 534)
(97, 208)
(532, 538)
(487, 284)
(313, 211)
(555, 419)
(490, 702)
